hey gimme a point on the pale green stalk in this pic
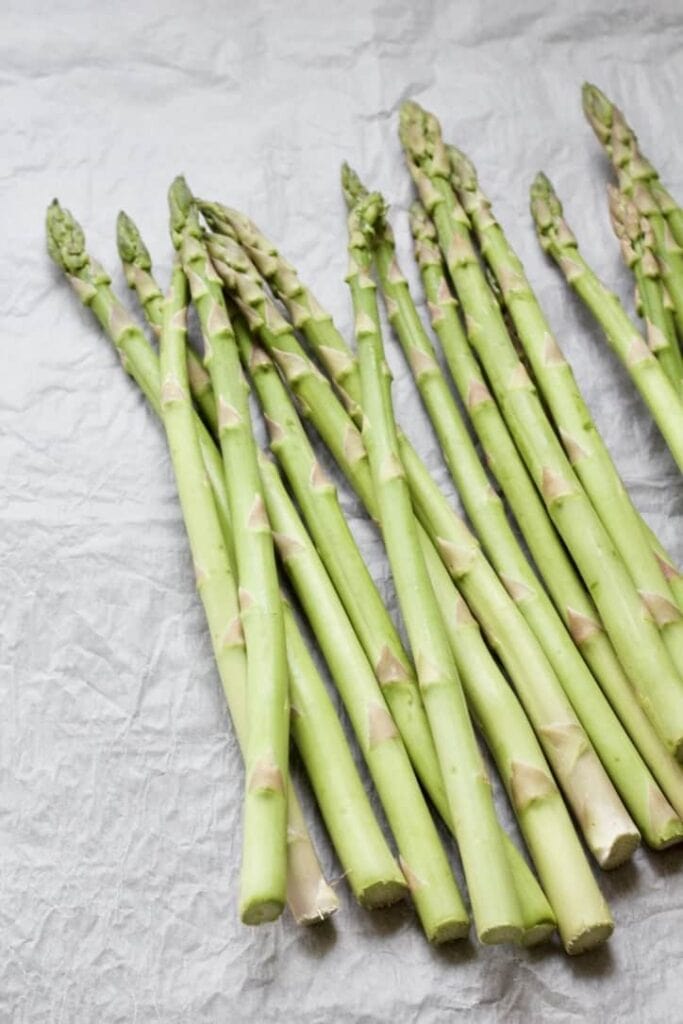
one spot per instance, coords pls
(373, 625)
(493, 899)
(582, 442)
(657, 391)
(369, 866)
(583, 918)
(635, 637)
(423, 860)
(264, 851)
(309, 896)
(636, 240)
(305, 312)
(547, 550)
(373, 874)
(137, 266)
(569, 673)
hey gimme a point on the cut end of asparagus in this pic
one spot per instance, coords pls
(449, 931)
(539, 933)
(318, 905)
(621, 850)
(132, 249)
(588, 938)
(65, 239)
(261, 911)
(383, 894)
(502, 935)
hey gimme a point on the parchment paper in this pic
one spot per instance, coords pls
(120, 782)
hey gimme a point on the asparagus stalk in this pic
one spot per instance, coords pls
(334, 542)
(592, 713)
(374, 628)
(635, 636)
(584, 446)
(648, 376)
(137, 266)
(423, 860)
(495, 912)
(372, 872)
(309, 896)
(637, 241)
(303, 308)
(621, 145)
(548, 552)
(583, 918)
(539, 920)
(263, 861)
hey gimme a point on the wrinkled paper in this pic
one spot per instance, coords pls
(120, 781)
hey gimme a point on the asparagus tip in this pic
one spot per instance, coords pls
(129, 242)
(463, 170)
(65, 238)
(182, 209)
(353, 188)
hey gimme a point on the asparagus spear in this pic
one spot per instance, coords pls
(635, 637)
(304, 310)
(469, 798)
(621, 144)
(263, 859)
(592, 713)
(372, 872)
(583, 444)
(637, 242)
(424, 863)
(440, 907)
(137, 266)
(373, 625)
(574, 604)
(583, 918)
(310, 897)
(656, 389)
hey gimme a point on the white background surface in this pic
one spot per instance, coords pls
(119, 777)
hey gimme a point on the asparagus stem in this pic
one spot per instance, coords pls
(303, 308)
(260, 607)
(583, 918)
(372, 872)
(584, 446)
(423, 860)
(309, 896)
(334, 542)
(657, 391)
(369, 866)
(338, 550)
(637, 243)
(635, 637)
(496, 910)
(548, 552)
(565, 668)
(595, 467)
(137, 266)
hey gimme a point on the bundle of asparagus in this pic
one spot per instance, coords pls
(571, 670)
